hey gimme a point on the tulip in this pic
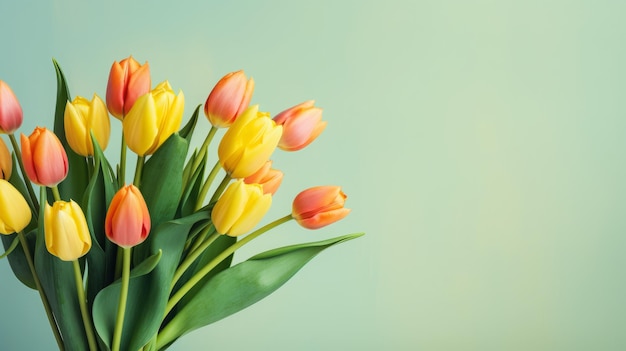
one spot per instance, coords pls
(302, 124)
(240, 208)
(44, 158)
(6, 162)
(14, 211)
(128, 80)
(127, 222)
(319, 206)
(154, 117)
(229, 99)
(10, 110)
(248, 143)
(66, 232)
(267, 177)
(83, 117)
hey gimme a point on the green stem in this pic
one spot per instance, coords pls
(218, 259)
(207, 185)
(220, 188)
(121, 309)
(82, 301)
(29, 186)
(203, 149)
(122, 176)
(138, 170)
(55, 193)
(42, 295)
(194, 254)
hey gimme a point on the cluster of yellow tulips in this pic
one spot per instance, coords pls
(135, 265)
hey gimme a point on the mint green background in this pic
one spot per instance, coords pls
(481, 144)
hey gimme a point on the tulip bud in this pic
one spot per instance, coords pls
(248, 143)
(240, 208)
(83, 117)
(6, 162)
(319, 206)
(127, 222)
(154, 117)
(267, 177)
(45, 160)
(228, 99)
(10, 110)
(301, 125)
(14, 211)
(66, 232)
(128, 80)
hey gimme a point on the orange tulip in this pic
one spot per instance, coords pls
(128, 80)
(127, 222)
(6, 162)
(45, 160)
(319, 206)
(301, 125)
(267, 177)
(228, 99)
(10, 110)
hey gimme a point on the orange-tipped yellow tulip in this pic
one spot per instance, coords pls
(45, 160)
(6, 162)
(128, 80)
(14, 211)
(127, 222)
(154, 117)
(267, 177)
(10, 110)
(66, 232)
(82, 117)
(228, 99)
(301, 125)
(319, 206)
(240, 208)
(248, 143)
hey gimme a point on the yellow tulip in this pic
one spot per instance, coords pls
(82, 117)
(240, 208)
(14, 211)
(152, 119)
(66, 232)
(6, 162)
(248, 144)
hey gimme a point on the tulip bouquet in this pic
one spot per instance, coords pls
(135, 265)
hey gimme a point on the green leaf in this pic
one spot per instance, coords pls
(57, 279)
(148, 293)
(12, 247)
(190, 194)
(161, 187)
(75, 183)
(187, 131)
(243, 285)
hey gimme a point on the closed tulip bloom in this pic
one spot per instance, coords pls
(14, 211)
(267, 177)
(319, 206)
(154, 117)
(127, 222)
(45, 160)
(301, 125)
(10, 110)
(240, 208)
(248, 143)
(6, 162)
(66, 232)
(128, 80)
(83, 117)
(228, 99)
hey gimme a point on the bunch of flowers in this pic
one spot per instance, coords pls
(123, 265)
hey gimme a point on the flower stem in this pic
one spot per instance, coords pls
(194, 254)
(91, 339)
(218, 259)
(207, 185)
(55, 193)
(203, 149)
(29, 186)
(42, 295)
(121, 308)
(220, 188)
(122, 176)
(138, 170)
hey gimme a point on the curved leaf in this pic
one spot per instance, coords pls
(11, 247)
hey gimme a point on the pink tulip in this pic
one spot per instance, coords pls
(267, 177)
(44, 157)
(127, 222)
(228, 99)
(301, 125)
(10, 110)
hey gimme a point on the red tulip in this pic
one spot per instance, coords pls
(45, 160)
(127, 222)
(319, 206)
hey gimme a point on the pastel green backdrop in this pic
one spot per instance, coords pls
(481, 145)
